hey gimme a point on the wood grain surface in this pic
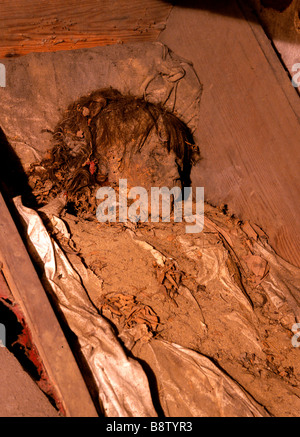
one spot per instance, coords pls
(249, 131)
(43, 26)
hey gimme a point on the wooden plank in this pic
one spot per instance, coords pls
(46, 332)
(43, 26)
(248, 130)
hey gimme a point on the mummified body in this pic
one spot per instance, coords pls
(106, 136)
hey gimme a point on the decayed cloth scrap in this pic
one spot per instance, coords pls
(123, 387)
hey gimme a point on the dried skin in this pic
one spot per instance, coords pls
(169, 278)
(129, 311)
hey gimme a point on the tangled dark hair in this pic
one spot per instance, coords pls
(100, 122)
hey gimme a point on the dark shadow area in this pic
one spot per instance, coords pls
(153, 386)
(216, 6)
(277, 5)
(239, 9)
(13, 180)
(14, 329)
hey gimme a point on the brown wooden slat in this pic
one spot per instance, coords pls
(46, 332)
(43, 26)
